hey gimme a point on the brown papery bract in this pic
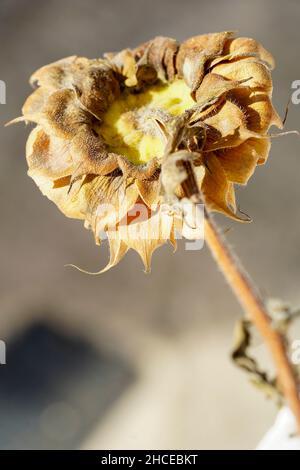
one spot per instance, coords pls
(217, 134)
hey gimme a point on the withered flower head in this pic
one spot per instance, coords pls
(150, 126)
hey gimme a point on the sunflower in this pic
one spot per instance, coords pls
(121, 141)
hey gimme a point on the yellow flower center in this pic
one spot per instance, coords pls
(128, 127)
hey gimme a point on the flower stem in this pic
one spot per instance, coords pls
(254, 306)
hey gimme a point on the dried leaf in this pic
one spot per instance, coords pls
(241, 357)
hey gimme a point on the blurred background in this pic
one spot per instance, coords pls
(128, 360)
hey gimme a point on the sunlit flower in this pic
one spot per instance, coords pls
(153, 126)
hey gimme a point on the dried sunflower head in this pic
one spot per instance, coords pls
(161, 123)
